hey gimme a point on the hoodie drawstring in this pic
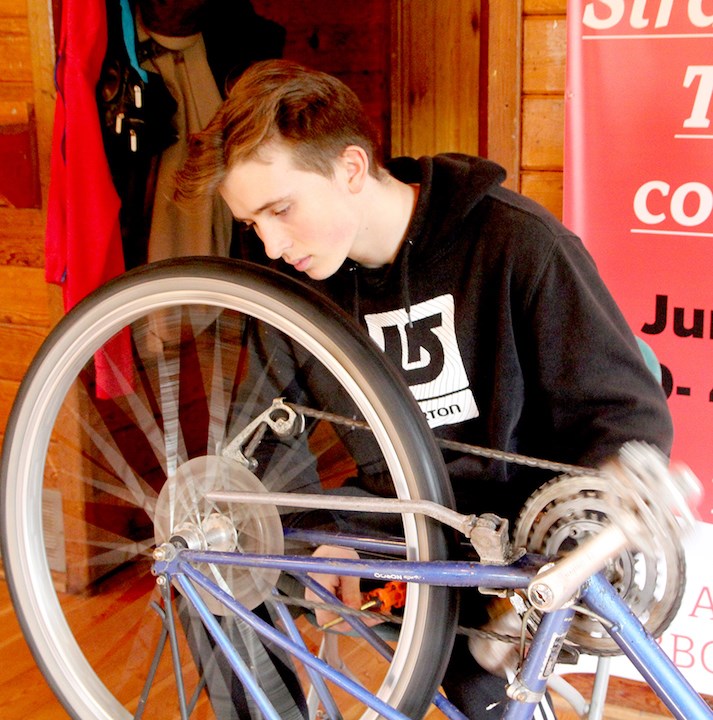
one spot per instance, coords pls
(353, 270)
(404, 280)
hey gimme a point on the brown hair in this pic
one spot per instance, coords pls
(315, 114)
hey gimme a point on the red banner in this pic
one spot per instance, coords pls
(639, 191)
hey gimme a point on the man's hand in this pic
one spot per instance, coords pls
(346, 588)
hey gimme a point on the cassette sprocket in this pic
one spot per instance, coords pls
(651, 580)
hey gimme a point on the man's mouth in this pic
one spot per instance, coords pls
(302, 264)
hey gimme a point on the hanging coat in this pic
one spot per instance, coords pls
(206, 228)
(83, 239)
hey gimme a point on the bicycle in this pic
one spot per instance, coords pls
(167, 412)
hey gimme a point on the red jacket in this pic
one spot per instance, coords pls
(83, 240)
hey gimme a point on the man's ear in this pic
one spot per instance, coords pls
(355, 163)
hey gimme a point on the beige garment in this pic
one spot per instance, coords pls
(204, 226)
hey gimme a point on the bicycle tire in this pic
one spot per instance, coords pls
(62, 440)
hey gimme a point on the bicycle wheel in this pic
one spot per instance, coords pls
(116, 436)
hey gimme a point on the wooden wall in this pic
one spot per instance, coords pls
(542, 109)
(26, 110)
(525, 96)
(468, 75)
(346, 39)
(436, 76)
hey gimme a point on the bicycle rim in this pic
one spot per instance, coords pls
(138, 390)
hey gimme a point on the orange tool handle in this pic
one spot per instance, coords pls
(392, 595)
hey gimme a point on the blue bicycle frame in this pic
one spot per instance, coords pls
(597, 594)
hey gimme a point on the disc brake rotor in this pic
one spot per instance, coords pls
(560, 514)
(182, 511)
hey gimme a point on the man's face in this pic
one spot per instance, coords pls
(304, 218)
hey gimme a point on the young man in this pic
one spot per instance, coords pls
(513, 342)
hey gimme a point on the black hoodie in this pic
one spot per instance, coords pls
(505, 333)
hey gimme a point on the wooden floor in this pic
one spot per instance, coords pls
(23, 692)
(25, 696)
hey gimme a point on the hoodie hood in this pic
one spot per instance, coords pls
(451, 187)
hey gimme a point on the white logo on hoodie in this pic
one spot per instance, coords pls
(423, 342)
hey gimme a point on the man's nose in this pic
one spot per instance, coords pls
(275, 242)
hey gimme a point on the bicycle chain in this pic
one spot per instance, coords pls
(487, 453)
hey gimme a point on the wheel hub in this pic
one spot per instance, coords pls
(184, 517)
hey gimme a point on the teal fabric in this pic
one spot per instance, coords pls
(650, 357)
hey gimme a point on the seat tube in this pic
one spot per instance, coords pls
(530, 683)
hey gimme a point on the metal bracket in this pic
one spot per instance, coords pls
(490, 537)
(279, 417)
(518, 691)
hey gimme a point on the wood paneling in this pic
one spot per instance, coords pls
(15, 55)
(349, 40)
(27, 103)
(542, 101)
(504, 87)
(13, 8)
(544, 7)
(544, 186)
(542, 133)
(40, 22)
(526, 80)
(23, 297)
(435, 93)
(8, 390)
(545, 49)
(20, 344)
(22, 237)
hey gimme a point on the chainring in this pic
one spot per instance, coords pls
(182, 511)
(561, 514)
